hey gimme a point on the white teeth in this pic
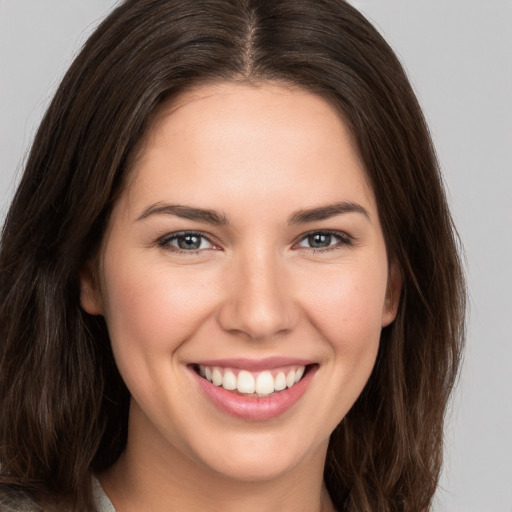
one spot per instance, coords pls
(265, 383)
(229, 381)
(280, 381)
(260, 384)
(245, 382)
(217, 377)
(290, 378)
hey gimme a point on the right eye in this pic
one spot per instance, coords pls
(186, 242)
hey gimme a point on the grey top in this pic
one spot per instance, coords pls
(103, 504)
(17, 501)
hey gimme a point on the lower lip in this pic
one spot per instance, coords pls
(255, 408)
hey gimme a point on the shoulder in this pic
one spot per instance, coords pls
(14, 500)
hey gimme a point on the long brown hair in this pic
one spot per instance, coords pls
(63, 405)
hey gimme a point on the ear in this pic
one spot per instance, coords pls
(90, 296)
(393, 292)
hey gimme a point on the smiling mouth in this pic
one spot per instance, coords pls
(253, 384)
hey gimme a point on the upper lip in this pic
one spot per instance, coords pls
(255, 365)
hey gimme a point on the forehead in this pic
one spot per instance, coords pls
(266, 141)
(251, 111)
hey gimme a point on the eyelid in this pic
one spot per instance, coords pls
(344, 239)
(164, 241)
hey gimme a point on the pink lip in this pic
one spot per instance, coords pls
(254, 408)
(255, 365)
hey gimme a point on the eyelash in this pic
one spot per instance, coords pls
(165, 241)
(342, 240)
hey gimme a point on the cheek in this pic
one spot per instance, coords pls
(155, 310)
(347, 308)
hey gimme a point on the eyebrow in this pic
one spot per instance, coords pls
(185, 212)
(212, 217)
(326, 212)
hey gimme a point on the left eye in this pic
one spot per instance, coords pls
(322, 240)
(187, 242)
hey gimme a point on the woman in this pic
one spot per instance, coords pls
(229, 276)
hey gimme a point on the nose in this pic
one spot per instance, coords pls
(259, 300)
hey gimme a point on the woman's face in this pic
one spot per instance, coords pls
(245, 249)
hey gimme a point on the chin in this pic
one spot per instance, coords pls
(255, 467)
(263, 457)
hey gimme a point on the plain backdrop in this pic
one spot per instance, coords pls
(458, 54)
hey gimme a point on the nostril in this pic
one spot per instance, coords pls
(259, 306)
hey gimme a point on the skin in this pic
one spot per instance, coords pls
(256, 155)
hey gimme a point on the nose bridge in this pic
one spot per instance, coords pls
(259, 302)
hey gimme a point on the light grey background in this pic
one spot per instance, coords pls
(459, 56)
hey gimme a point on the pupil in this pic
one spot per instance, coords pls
(319, 240)
(189, 242)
